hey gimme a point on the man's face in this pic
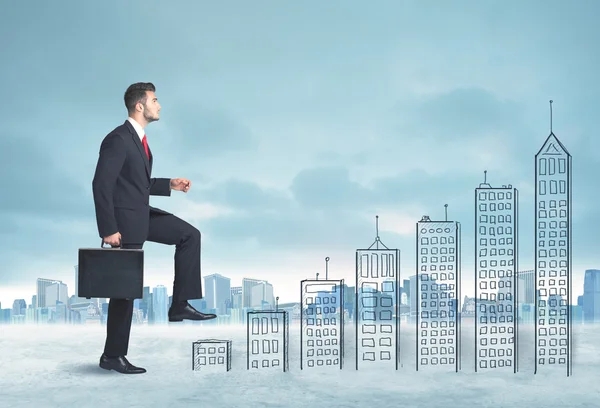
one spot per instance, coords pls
(151, 108)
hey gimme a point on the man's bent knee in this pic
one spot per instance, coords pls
(191, 235)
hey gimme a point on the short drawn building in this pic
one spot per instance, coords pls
(268, 339)
(211, 354)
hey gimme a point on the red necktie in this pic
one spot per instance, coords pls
(145, 143)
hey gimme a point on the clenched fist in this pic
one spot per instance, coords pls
(114, 239)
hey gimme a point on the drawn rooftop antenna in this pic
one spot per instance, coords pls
(326, 267)
(446, 209)
(377, 239)
(485, 183)
(277, 303)
(551, 116)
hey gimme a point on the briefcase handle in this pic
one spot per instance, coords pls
(102, 245)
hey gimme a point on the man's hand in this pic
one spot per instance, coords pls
(181, 184)
(114, 239)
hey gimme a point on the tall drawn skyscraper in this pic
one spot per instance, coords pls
(496, 277)
(322, 323)
(438, 293)
(377, 300)
(553, 254)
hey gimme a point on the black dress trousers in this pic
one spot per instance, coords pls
(164, 229)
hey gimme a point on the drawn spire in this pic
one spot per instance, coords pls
(377, 240)
(552, 146)
(551, 116)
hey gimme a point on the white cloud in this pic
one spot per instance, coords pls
(194, 211)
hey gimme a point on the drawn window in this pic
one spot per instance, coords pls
(543, 166)
(552, 166)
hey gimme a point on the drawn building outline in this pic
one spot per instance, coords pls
(553, 268)
(267, 339)
(438, 323)
(210, 353)
(496, 281)
(377, 323)
(322, 322)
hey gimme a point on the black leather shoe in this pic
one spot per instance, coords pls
(185, 311)
(120, 364)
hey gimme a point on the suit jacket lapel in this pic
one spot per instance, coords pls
(140, 146)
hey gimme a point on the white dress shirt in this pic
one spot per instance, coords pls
(138, 128)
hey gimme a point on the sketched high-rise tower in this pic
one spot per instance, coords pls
(496, 276)
(438, 293)
(553, 254)
(322, 322)
(377, 299)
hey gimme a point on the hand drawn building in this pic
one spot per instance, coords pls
(322, 323)
(268, 339)
(496, 277)
(377, 302)
(438, 293)
(553, 255)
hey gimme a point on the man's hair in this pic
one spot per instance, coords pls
(137, 93)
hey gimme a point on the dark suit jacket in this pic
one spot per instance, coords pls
(123, 185)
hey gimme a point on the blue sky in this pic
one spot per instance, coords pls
(297, 123)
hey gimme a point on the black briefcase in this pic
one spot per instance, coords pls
(113, 272)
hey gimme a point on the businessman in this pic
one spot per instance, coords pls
(122, 185)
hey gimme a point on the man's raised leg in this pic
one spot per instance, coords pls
(171, 230)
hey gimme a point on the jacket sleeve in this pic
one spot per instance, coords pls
(160, 187)
(110, 163)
